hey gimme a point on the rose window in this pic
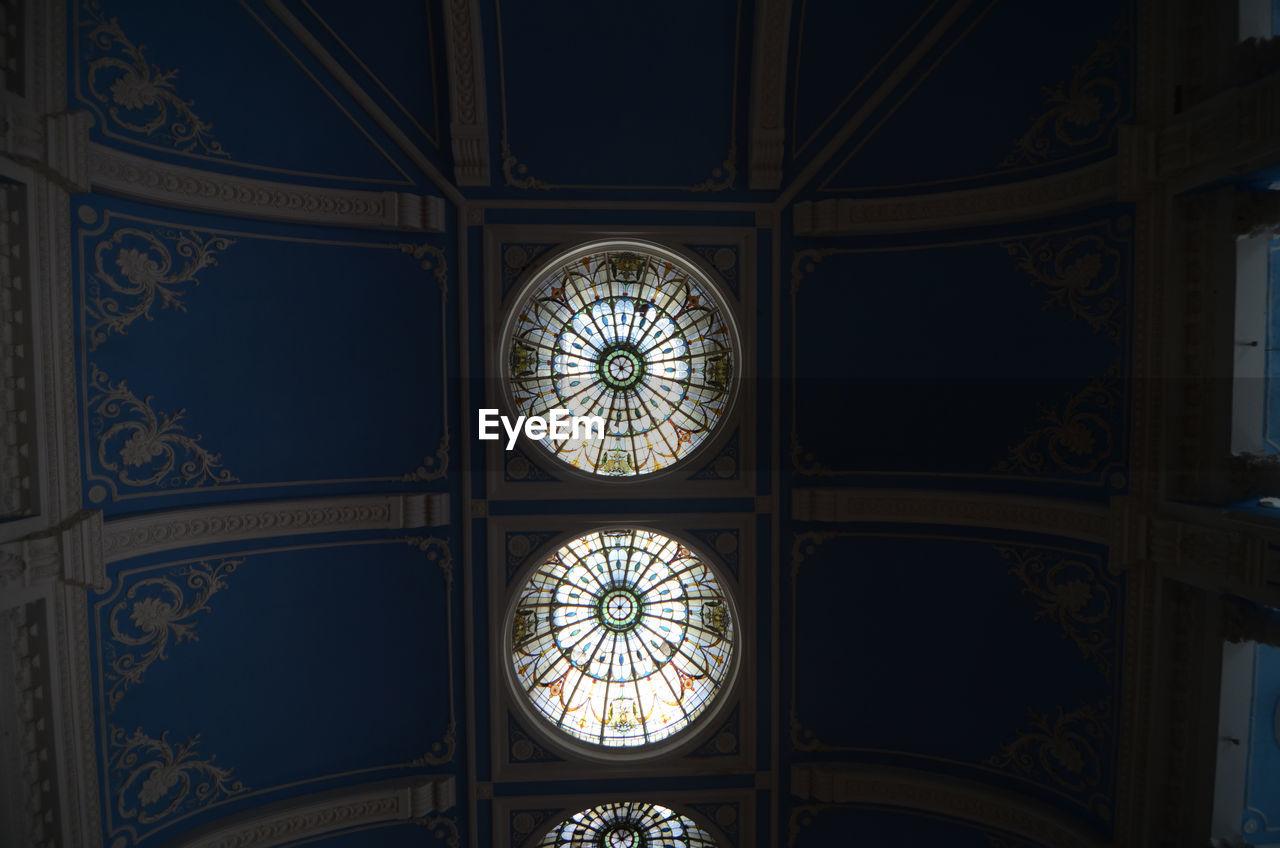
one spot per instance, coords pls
(629, 824)
(622, 637)
(633, 335)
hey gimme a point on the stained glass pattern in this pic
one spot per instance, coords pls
(622, 637)
(634, 337)
(628, 824)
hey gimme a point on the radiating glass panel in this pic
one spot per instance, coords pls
(622, 637)
(633, 337)
(628, 824)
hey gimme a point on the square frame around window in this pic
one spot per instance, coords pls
(725, 466)
(722, 743)
(729, 815)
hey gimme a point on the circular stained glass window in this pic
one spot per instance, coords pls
(628, 824)
(630, 337)
(622, 637)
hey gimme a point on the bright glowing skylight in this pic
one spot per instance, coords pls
(629, 824)
(633, 335)
(622, 637)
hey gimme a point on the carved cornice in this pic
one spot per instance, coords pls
(1018, 201)
(17, 424)
(1032, 515)
(930, 793)
(32, 808)
(70, 553)
(160, 531)
(1199, 348)
(316, 815)
(1233, 132)
(1197, 545)
(469, 122)
(190, 188)
(54, 145)
(768, 93)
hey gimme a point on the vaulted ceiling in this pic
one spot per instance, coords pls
(299, 228)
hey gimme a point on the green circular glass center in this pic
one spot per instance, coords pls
(618, 609)
(621, 367)
(622, 836)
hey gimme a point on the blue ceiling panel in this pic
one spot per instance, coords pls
(265, 357)
(395, 46)
(221, 86)
(269, 673)
(1021, 93)
(842, 51)
(821, 826)
(631, 93)
(1014, 653)
(973, 356)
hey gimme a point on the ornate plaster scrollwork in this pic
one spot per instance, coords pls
(1076, 437)
(515, 174)
(1065, 752)
(1078, 594)
(1079, 112)
(138, 97)
(153, 613)
(133, 269)
(1081, 273)
(153, 779)
(146, 440)
(723, 177)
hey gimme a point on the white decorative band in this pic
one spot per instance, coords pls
(1032, 515)
(891, 787)
(174, 185)
(324, 813)
(161, 531)
(1018, 201)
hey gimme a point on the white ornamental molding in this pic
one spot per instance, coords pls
(70, 554)
(468, 125)
(17, 424)
(1078, 189)
(55, 145)
(1234, 132)
(768, 93)
(133, 536)
(204, 191)
(311, 816)
(28, 810)
(987, 807)
(1216, 552)
(1032, 515)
